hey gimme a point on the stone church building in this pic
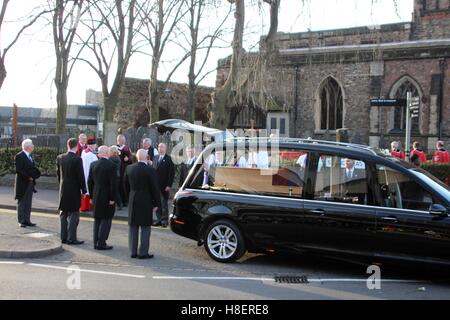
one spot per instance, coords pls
(325, 80)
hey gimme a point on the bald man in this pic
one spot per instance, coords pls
(102, 187)
(141, 182)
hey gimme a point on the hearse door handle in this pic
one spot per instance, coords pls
(390, 219)
(319, 212)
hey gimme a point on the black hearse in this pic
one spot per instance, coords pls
(294, 195)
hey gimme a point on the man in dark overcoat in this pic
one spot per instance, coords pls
(165, 171)
(102, 188)
(26, 175)
(71, 186)
(141, 181)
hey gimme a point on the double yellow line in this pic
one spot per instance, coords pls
(55, 216)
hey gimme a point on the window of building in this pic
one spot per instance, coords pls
(331, 102)
(342, 180)
(278, 121)
(400, 191)
(401, 90)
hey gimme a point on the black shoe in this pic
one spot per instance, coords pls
(157, 224)
(75, 243)
(29, 224)
(22, 225)
(164, 225)
(64, 241)
(105, 248)
(134, 256)
(147, 256)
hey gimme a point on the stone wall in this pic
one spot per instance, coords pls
(133, 101)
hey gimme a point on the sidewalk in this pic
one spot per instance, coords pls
(19, 243)
(45, 201)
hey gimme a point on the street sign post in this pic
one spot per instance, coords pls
(412, 111)
(408, 124)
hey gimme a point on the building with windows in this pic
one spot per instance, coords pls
(33, 122)
(322, 81)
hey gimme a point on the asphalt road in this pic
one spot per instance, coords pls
(181, 270)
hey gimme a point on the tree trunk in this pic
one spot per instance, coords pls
(61, 114)
(153, 90)
(225, 97)
(192, 101)
(2, 71)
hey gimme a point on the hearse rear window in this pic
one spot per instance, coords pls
(263, 172)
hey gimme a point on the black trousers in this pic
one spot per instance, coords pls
(134, 240)
(123, 192)
(69, 225)
(102, 228)
(162, 214)
(24, 205)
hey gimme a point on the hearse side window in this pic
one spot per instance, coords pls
(262, 172)
(400, 191)
(342, 180)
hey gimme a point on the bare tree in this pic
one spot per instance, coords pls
(34, 16)
(160, 19)
(66, 15)
(224, 97)
(195, 22)
(242, 80)
(112, 29)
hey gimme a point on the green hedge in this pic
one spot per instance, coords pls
(45, 159)
(439, 170)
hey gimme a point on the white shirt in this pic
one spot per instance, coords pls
(349, 173)
(28, 154)
(88, 158)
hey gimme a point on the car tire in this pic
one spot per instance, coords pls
(224, 241)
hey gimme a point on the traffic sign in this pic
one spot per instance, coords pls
(388, 103)
(414, 107)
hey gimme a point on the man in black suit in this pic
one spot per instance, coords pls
(71, 186)
(26, 175)
(187, 165)
(354, 182)
(141, 181)
(147, 145)
(102, 188)
(165, 171)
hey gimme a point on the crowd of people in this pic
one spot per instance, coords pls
(417, 156)
(101, 179)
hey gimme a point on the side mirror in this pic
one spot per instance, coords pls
(438, 210)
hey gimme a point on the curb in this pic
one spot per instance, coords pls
(11, 254)
(56, 212)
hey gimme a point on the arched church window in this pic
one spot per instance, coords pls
(400, 91)
(332, 103)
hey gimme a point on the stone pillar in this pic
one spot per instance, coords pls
(432, 144)
(110, 133)
(374, 141)
(434, 116)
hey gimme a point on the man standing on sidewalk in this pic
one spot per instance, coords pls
(141, 180)
(165, 171)
(72, 185)
(26, 175)
(102, 188)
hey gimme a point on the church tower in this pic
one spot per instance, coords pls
(431, 19)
